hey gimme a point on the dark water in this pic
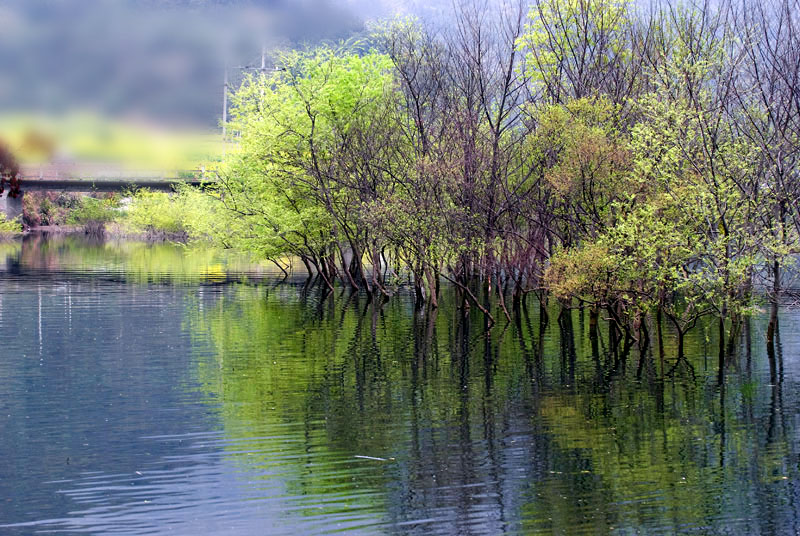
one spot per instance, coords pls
(144, 391)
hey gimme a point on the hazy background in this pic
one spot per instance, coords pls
(159, 61)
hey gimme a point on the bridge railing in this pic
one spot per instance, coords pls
(101, 171)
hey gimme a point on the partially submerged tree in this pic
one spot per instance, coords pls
(632, 163)
(308, 167)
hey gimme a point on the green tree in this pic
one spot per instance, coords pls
(312, 158)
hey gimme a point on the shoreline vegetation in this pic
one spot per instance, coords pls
(112, 230)
(643, 166)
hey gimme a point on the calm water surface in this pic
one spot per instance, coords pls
(165, 390)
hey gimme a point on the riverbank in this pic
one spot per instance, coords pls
(111, 230)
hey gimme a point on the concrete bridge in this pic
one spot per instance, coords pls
(90, 178)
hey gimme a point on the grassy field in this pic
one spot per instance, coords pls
(90, 138)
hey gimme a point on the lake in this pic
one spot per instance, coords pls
(153, 389)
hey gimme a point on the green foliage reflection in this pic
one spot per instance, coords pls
(304, 379)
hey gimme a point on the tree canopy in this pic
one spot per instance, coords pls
(629, 162)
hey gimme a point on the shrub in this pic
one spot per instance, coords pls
(156, 212)
(46, 208)
(91, 210)
(9, 226)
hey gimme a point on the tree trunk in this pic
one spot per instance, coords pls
(346, 269)
(721, 365)
(772, 329)
(307, 265)
(594, 317)
(431, 287)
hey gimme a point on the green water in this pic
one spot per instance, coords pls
(153, 389)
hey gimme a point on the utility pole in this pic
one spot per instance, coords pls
(262, 70)
(263, 57)
(225, 110)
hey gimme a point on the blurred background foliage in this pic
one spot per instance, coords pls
(141, 82)
(91, 137)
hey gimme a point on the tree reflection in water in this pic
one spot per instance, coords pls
(535, 426)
